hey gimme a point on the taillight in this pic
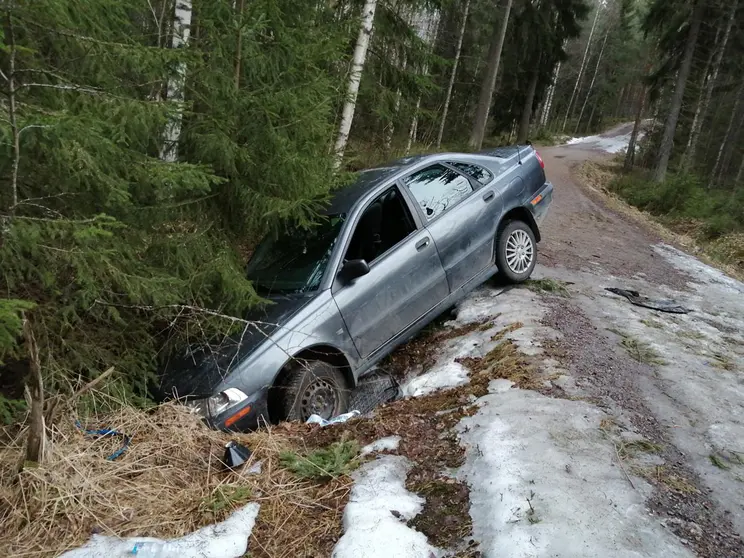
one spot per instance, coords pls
(542, 163)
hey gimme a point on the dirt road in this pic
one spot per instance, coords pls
(635, 444)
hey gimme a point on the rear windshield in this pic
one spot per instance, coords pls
(481, 174)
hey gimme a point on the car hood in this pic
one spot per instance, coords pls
(197, 369)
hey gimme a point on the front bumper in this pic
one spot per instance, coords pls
(246, 415)
(541, 202)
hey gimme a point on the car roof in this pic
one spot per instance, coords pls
(345, 198)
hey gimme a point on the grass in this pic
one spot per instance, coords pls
(631, 449)
(168, 483)
(548, 286)
(709, 223)
(637, 349)
(667, 477)
(339, 458)
(719, 462)
(723, 361)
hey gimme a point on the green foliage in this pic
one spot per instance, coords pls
(11, 322)
(11, 409)
(340, 458)
(684, 196)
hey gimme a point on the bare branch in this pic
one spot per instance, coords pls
(64, 87)
(31, 126)
(12, 110)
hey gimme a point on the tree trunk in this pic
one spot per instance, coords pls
(740, 173)
(524, 123)
(489, 83)
(630, 155)
(175, 92)
(355, 77)
(390, 132)
(594, 78)
(426, 28)
(723, 159)
(36, 441)
(701, 112)
(239, 45)
(581, 70)
(545, 118)
(453, 73)
(670, 127)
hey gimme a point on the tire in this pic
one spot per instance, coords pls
(516, 251)
(314, 387)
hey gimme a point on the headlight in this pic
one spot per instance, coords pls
(217, 404)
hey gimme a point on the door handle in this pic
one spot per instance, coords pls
(488, 196)
(423, 243)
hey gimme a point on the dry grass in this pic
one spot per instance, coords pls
(169, 482)
(723, 253)
(667, 477)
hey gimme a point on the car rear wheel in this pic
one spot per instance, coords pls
(314, 388)
(516, 251)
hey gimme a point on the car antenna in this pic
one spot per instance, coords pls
(519, 154)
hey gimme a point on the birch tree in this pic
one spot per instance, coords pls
(488, 83)
(355, 77)
(581, 70)
(594, 79)
(177, 82)
(453, 73)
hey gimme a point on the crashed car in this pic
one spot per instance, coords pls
(394, 250)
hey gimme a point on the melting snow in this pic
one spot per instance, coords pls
(228, 539)
(613, 144)
(370, 528)
(390, 443)
(543, 483)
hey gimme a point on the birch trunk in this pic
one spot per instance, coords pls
(390, 132)
(594, 78)
(453, 73)
(581, 70)
(355, 77)
(702, 109)
(545, 118)
(426, 28)
(670, 127)
(489, 83)
(175, 91)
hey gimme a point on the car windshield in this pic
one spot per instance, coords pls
(294, 260)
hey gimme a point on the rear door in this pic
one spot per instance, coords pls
(406, 277)
(460, 213)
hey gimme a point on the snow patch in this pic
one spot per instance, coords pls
(389, 443)
(543, 483)
(228, 539)
(614, 144)
(370, 528)
(446, 375)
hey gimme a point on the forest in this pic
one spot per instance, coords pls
(148, 144)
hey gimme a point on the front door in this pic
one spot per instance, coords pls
(462, 222)
(406, 278)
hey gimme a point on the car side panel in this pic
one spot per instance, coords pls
(318, 323)
(401, 286)
(464, 237)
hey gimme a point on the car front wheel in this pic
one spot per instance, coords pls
(314, 388)
(516, 251)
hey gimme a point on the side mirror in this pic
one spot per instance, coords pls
(354, 268)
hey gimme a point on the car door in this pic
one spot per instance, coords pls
(460, 216)
(405, 280)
